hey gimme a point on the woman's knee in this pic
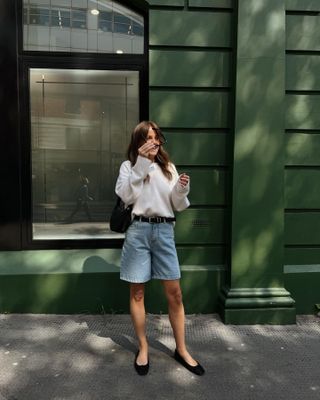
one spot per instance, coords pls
(174, 296)
(137, 293)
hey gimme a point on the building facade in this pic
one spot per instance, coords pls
(234, 85)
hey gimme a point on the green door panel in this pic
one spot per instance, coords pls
(180, 109)
(302, 32)
(185, 28)
(302, 188)
(189, 68)
(302, 72)
(302, 111)
(207, 148)
(208, 186)
(211, 3)
(302, 228)
(302, 5)
(302, 149)
(196, 226)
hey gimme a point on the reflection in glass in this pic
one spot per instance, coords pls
(81, 121)
(104, 26)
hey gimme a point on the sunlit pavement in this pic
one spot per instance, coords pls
(91, 357)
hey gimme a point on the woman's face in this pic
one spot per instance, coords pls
(152, 137)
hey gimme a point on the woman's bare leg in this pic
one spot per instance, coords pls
(138, 316)
(177, 317)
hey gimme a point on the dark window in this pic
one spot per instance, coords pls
(79, 19)
(77, 113)
(39, 16)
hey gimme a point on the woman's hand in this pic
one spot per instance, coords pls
(145, 149)
(184, 179)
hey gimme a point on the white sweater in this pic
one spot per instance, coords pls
(152, 196)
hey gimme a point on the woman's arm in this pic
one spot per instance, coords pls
(130, 180)
(180, 191)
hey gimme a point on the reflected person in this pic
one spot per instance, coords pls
(82, 199)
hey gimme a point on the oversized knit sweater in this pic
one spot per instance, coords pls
(145, 186)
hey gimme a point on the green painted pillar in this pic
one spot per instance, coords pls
(255, 291)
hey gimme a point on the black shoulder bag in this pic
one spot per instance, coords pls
(120, 219)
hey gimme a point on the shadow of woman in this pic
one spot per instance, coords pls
(118, 326)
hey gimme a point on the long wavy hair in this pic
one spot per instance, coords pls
(138, 138)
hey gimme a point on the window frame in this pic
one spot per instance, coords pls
(64, 60)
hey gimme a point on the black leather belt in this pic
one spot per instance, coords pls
(153, 220)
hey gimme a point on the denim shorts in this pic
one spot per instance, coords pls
(149, 252)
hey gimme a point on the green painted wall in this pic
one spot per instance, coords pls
(255, 169)
(191, 96)
(302, 154)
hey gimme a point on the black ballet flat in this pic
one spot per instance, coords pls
(141, 369)
(197, 369)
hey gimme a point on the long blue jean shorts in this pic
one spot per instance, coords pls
(149, 252)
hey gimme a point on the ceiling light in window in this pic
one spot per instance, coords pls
(94, 11)
(119, 51)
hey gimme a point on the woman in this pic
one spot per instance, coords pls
(150, 182)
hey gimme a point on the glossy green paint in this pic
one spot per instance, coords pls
(189, 109)
(302, 5)
(257, 228)
(302, 32)
(189, 68)
(302, 72)
(208, 148)
(211, 3)
(302, 149)
(59, 261)
(208, 187)
(302, 111)
(214, 255)
(99, 293)
(304, 288)
(190, 28)
(302, 228)
(187, 74)
(298, 181)
(200, 226)
(301, 256)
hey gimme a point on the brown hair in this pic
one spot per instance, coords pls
(138, 138)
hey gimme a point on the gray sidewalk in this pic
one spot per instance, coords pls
(90, 357)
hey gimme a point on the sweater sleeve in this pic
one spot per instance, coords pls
(179, 193)
(130, 180)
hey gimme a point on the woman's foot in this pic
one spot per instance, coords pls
(142, 356)
(189, 363)
(142, 369)
(187, 357)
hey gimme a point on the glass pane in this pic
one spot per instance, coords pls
(137, 29)
(64, 22)
(60, 18)
(105, 15)
(122, 28)
(121, 18)
(81, 121)
(79, 19)
(25, 16)
(105, 26)
(101, 20)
